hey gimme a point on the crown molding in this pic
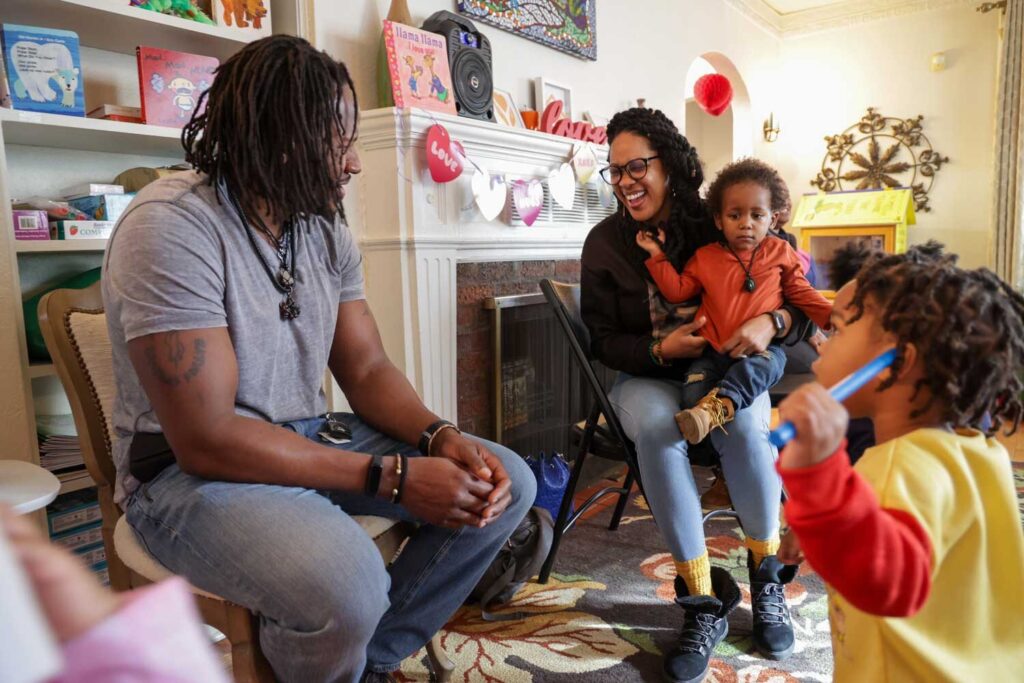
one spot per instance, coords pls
(837, 15)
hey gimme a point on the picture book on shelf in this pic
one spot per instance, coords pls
(249, 16)
(42, 70)
(170, 84)
(418, 64)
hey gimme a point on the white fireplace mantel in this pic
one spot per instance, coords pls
(413, 231)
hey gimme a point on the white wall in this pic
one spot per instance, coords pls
(712, 136)
(816, 84)
(832, 77)
(644, 50)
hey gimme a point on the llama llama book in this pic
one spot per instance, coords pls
(170, 84)
(43, 70)
(418, 65)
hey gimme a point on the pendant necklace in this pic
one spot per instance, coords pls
(748, 284)
(285, 248)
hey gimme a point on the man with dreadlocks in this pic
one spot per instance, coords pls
(229, 290)
(921, 542)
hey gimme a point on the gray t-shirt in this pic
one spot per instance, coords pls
(181, 260)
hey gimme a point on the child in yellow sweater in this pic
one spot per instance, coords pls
(920, 542)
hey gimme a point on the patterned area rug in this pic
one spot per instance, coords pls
(607, 614)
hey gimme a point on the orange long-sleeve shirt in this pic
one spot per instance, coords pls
(716, 275)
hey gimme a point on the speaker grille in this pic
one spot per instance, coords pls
(471, 77)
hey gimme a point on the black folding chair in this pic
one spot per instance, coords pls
(601, 434)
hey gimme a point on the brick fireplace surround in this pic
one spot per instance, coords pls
(474, 283)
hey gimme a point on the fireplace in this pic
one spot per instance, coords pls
(431, 259)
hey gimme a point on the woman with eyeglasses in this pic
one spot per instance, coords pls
(657, 176)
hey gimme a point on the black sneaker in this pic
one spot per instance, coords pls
(704, 627)
(773, 629)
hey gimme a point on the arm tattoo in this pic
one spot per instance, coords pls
(167, 365)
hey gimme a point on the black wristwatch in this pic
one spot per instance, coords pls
(373, 476)
(779, 322)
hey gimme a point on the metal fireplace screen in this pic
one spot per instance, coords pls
(539, 391)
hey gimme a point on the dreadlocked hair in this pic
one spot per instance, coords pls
(271, 126)
(749, 170)
(689, 226)
(967, 326)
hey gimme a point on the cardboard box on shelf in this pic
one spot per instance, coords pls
(86, 189)
(102, 207)
(30, 224)
(81, 230)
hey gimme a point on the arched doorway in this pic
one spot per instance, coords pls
(718, 139)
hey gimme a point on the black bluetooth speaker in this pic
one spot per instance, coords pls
(469, 57)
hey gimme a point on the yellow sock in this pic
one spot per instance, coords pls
(696, 573)
(762, 549)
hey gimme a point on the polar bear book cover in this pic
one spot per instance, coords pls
(170, 84)
(43, 70)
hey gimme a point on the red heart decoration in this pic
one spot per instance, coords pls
(713, 92)
(444, 155)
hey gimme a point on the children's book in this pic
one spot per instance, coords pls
(170, 84)
(43, 70)
(251, 17)
(418, 64)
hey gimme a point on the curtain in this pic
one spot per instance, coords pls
(1009, 157)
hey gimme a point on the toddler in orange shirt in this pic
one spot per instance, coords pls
(748, 274)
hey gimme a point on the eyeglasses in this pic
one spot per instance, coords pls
(636, 168)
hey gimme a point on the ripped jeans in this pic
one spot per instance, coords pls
(741, 380)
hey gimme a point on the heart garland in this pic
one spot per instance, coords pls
(446, 160)
(562, 183)
(528, 196)
(490, 193)
(444, 155)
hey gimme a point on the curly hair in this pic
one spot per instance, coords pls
(750, 170)
(270, 127)
(689, 225)
(850, 258)
(847, 261)
(967, 325)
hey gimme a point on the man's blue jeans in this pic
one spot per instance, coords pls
(328, 607)
(741, 380)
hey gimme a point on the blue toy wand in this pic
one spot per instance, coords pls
(846, 388)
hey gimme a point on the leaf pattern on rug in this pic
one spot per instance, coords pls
(554, 637)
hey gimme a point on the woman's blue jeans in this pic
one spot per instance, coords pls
(646, 407)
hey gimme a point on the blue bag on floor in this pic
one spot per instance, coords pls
(552, 473)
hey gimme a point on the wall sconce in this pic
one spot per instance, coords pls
(937, 62)
(771, 128)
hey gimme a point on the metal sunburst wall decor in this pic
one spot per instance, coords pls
(881, 151)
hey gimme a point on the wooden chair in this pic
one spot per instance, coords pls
(601, 433)
(75, 329)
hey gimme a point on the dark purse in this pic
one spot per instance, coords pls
(148, 455)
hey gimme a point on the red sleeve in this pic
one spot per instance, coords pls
(879, 559)
(675, 287)
(798, 291)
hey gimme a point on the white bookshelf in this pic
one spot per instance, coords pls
(89, 135)
(42, 153)
(56, 246)
(116, 26)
